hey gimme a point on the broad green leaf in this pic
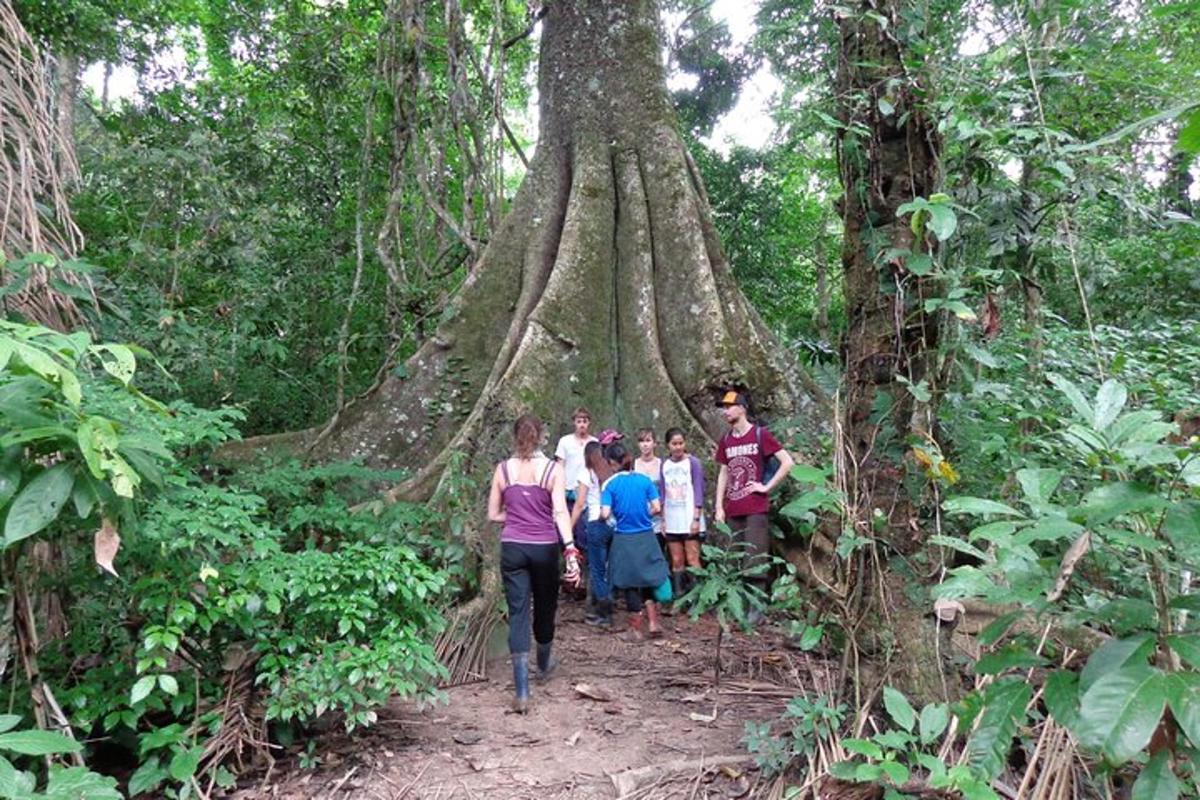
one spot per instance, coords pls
(1004, 709)
(1111, 500)
(1183, 695)
(960, 546)
(1110, 399)
(1049, 529)
(141, 690)
(899, 709)
(149, 776)
(942, 221)
(933, 721)
(1074, 396)
(862, 747)
(805, 473)
(168, 684)
(1114, 655)
(1189, 135)
(1156, 781)
(1061, 694)
(1186, 647)
(998, 627)
(978, 505)
(38, 743)
(1119, 712)
(920, 264)
(998, 533)
(38, 503)
(1008, 657)
(117, 360)
(1038, 484)
(9, 785)
(183, 763)
(10, 480)
(8, 722)
(1182, 524)
(896, 772)
(1185, 602)
(80, 783)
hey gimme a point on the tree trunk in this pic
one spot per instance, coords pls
(888, 155)
(605, 285)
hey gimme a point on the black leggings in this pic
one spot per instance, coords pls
(635, 597)
(530, 571)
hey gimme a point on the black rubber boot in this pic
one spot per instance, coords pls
(520, 664)
(546, 662)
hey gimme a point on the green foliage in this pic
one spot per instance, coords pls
(726, 586)
(805, 723)
(892, 756)
(1124, 499)
(330, 611)
(62, 783)
(70, 438)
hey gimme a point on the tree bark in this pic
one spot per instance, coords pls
(605, 285)
(888, 155)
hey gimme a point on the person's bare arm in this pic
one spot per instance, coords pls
(785, 469)
(562, 518)
(580, 503)
(496, 511)
(558, 498)
(722, 482)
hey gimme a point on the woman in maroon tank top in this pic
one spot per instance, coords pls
(529, 498)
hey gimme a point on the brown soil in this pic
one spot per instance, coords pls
(655, 707)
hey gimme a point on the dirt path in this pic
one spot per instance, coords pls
(569, 745)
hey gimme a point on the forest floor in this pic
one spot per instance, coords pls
(619, 718)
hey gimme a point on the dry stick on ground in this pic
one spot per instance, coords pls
(628, 781)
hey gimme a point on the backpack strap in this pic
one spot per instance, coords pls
(550, 462)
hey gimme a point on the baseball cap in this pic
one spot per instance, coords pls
(732, 398)
(609, 435)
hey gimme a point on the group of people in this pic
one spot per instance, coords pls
(621, 507)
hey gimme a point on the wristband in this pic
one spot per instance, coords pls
(570, 551)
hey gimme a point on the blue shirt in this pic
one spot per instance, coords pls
(628, 494)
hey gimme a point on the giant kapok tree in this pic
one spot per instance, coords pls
(604, 286)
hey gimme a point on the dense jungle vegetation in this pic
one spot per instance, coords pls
(973, 226)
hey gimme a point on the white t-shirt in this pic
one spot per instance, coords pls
(589, 479)
(570, 450)
(679, 497)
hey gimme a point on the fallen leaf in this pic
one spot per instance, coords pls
(694, 698)
(593, 693)
(573, 739)
(467, 737)
(731, 773)
(703, 717)
(107, 542)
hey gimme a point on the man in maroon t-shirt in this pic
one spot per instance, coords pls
(742, 498)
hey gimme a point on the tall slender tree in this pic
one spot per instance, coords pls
(888, 150)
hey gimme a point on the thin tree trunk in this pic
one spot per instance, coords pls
(890, 339)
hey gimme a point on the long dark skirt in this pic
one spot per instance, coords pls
(635, 561)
